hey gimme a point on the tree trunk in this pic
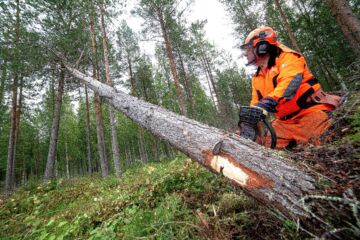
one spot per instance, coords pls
(209, 84)
(2, 84)
(104, 164)
(187, 84)
(318, 42)
(114, 140)
(49, 170)
(218, 102)
(267, 177)
(341, 9)
(23, 172)
(140, 131)
(17, 128)
(87, 129)
(171, 58)
(142, 149)
(67, 160)
(348, 23)
(10, 167)
(287, 26)
(132, 80)
(9, 184)
(155, 147)
(38, 156)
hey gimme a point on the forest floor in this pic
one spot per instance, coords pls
(179, 199)
(336, 166)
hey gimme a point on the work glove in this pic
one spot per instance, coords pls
(268, 104)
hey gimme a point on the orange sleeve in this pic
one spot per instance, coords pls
(254, 95)
(291, 70)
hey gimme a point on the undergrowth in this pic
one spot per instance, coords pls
(178, 199)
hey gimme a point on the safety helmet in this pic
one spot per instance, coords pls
(261, 34)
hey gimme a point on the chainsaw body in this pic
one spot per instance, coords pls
(249, 119)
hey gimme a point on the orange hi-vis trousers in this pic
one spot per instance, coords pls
(306, 127)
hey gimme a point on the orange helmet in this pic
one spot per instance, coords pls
(260, 34)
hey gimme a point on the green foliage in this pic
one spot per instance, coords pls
(355, 123)
(155, 201)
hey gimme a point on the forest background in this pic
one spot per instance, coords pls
(52, 127)
(39, 123)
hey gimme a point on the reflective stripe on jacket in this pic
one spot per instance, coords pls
(288, 84)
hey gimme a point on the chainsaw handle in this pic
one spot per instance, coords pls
(272, 132)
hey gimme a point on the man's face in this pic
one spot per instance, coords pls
(250, 55)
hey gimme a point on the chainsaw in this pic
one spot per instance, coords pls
(249, 119)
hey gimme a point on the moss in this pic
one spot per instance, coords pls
(230, 202)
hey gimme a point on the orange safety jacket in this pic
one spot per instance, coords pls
(286, 87)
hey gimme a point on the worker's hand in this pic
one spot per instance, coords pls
(268, 103)
(251, 114)
(265, 112)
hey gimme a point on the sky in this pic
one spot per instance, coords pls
(219, 28)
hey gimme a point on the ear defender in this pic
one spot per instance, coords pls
(262, 48)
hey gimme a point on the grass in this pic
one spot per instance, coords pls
(178, 199)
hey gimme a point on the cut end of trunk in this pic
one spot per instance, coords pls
(238, 173)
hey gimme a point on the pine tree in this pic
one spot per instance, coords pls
(97, 100)
(114, 141)
(348, 22)
(162, 12)
(10, 170)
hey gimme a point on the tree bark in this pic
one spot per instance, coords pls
(67, 160)
(218, 102)
(341, 9)
(142, 149)
(2, 83)
(17, 128)
(114, 140)
(287, 26)
(49, 170)
(10, 167)
(87, 130)
(318, 42)
(171, 58)
(155, 147)
(267, 177)
(187, 84)
(132, 80)
(104, 164)
(209, 84)
(9, 184)
(128, 157)
(348, 23)
(140, 131)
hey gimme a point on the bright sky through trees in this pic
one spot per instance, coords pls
(219, 28)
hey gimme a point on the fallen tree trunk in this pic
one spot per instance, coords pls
(271, 179)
